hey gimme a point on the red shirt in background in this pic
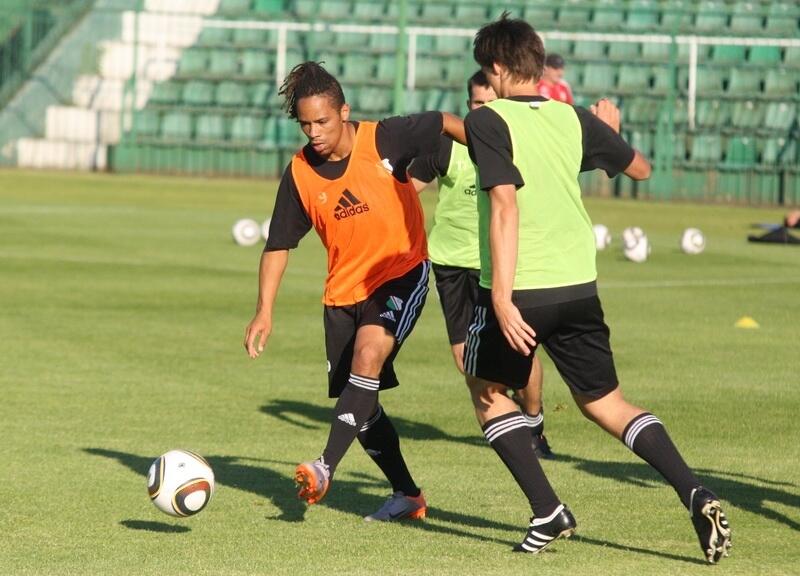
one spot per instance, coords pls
(561, 91)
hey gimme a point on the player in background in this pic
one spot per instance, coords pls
(552, 84)
(538, 280)
(453, 247)
(350, 183)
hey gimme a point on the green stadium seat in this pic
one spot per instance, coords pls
(728, 54)
(198, 93)
(385, 68)
(633, 79)
(335, 10)
(712, 17)
(676, 15)
(177, 126)
(428, 71)
(663, 80)
(247, 37)
(781, 82)
(214, 37)
(451, 44)
(210, 127)
(372, 99)
(745, 82)
(642, 15)
(271, 137)
(558, 46)
(703, 51)
(168, 92)
(147, 123)
(231, 94)
(425, 45)
(291, 136)
(368, 11)
(624, 51)
(780, 116)
(305, 9)
(607, 15)
(678, 146)
(436, 13)
(332, 61)
(223, 62)
(256, 63)
(412, 12)
(706, 149)
(467, 14)
(778, 151)
(540, 16)
(782, 18)
(382, 42)
(348, 41)
(741, 152)
(193, 61)
(293, 58)
(234, 7)
(458, 69)
(640, 111)
(573, 14)
(655, 52)
(598, 78)
(642, 141)
(791, 56)
(747, 115)
(246, 129)
(268, 7)
(764, 55)
(747, 18)
(713, 114)
(264, 95)
(710, 80)
(357, 67)
(415, 101)
(589, 50)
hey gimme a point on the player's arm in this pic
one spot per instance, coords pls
(453, 126)
(270, 273)
(604, 148)
(425, 169)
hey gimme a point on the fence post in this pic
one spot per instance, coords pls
(398, 99)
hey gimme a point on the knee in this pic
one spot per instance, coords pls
(368, 359)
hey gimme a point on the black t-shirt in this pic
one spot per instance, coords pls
(431, 166)
(490, 141)
(399, 140)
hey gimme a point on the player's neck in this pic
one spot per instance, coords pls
(519, 89)
(345, 146)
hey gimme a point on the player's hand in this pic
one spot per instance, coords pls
(606, 111)
(520, 336)
(259, 329)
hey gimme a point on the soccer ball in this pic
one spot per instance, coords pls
(265, 228)
(180, 483)
(602, 237)
(246, 232)
(693, 241)
(636, 246)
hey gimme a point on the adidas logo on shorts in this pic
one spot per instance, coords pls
(349, 205)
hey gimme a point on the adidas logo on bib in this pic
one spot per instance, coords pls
(349, 205)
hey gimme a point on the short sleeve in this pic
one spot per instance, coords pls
(432, 166)
(603, 148)
(489, 143)
(290, 221)
(400, 139)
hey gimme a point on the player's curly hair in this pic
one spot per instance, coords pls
(514, 44)
(309, 79)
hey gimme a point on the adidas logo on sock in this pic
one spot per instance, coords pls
(347, 419)
(349, 205)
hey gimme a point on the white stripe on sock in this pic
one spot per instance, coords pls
(375, 417)
(534, 421)
(496, 430)
(638, 426)
(365, 383)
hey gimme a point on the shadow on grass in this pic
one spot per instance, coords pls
(154, 526)
(313, 417)
(747, 492)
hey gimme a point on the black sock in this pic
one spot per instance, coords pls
(535, 422)
(356, 403)
(379, 439)
(646, 436)
(509, 436)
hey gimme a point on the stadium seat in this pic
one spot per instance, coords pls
(451, 44)
(624, 51)
(712, 114)
(558, 46)
(305, 9)
(246, 37)
(234, 7)
(741, 152)
(676, 15)
(663, 80)
(642, 15)
(728, 54)
(223, 62)
(745, 82)
(147, 123)
(368, 11)
(607, 16)
(230, 93)
(268, 7)
(678, 146)
(633, 79)
(256, 63)
(768, 55)
(433, 13)
(747, 18)
(782, 18)
(168, 92)
(640, 111)
(385, 68)
(334, 10)
(780, 116)
(642, 141)
(198, 93)
(428, 71)
(246, 129)
(372, 99)
(589, 50)
(703, 51)
(290, 134)
(193, 61)
(357, 67)
(655, 52)
(264, 95)
(712, 17)
(781, 82)
(599, 78)
(573, 14)
(540, 16)
(791, 56)
(210, 127)
(457, 69)
(177, 126)
(710, 80)
(470, 14)
(706, 149)
(382, 42)
(747, 115)
(573, 73)
(348, 41)
(214, 37)
(425, 45)
(778, 151)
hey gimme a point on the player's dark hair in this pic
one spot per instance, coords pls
(477, 79)
(554, 60)
(309, 79)
(513, 43)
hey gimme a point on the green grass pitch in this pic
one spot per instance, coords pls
(123, 302)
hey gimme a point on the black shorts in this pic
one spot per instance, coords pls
(395, 305)
(458, 293)
(573, 333)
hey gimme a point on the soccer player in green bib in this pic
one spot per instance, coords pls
(453, 249)
(538, 280)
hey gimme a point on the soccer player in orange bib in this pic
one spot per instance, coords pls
(350, 184)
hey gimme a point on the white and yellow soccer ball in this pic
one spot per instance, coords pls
(635, 244)
(180, 483)
(693, 241)
(246, 232)
(602, 237)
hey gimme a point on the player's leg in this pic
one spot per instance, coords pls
(458, 291)
(529, 400)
